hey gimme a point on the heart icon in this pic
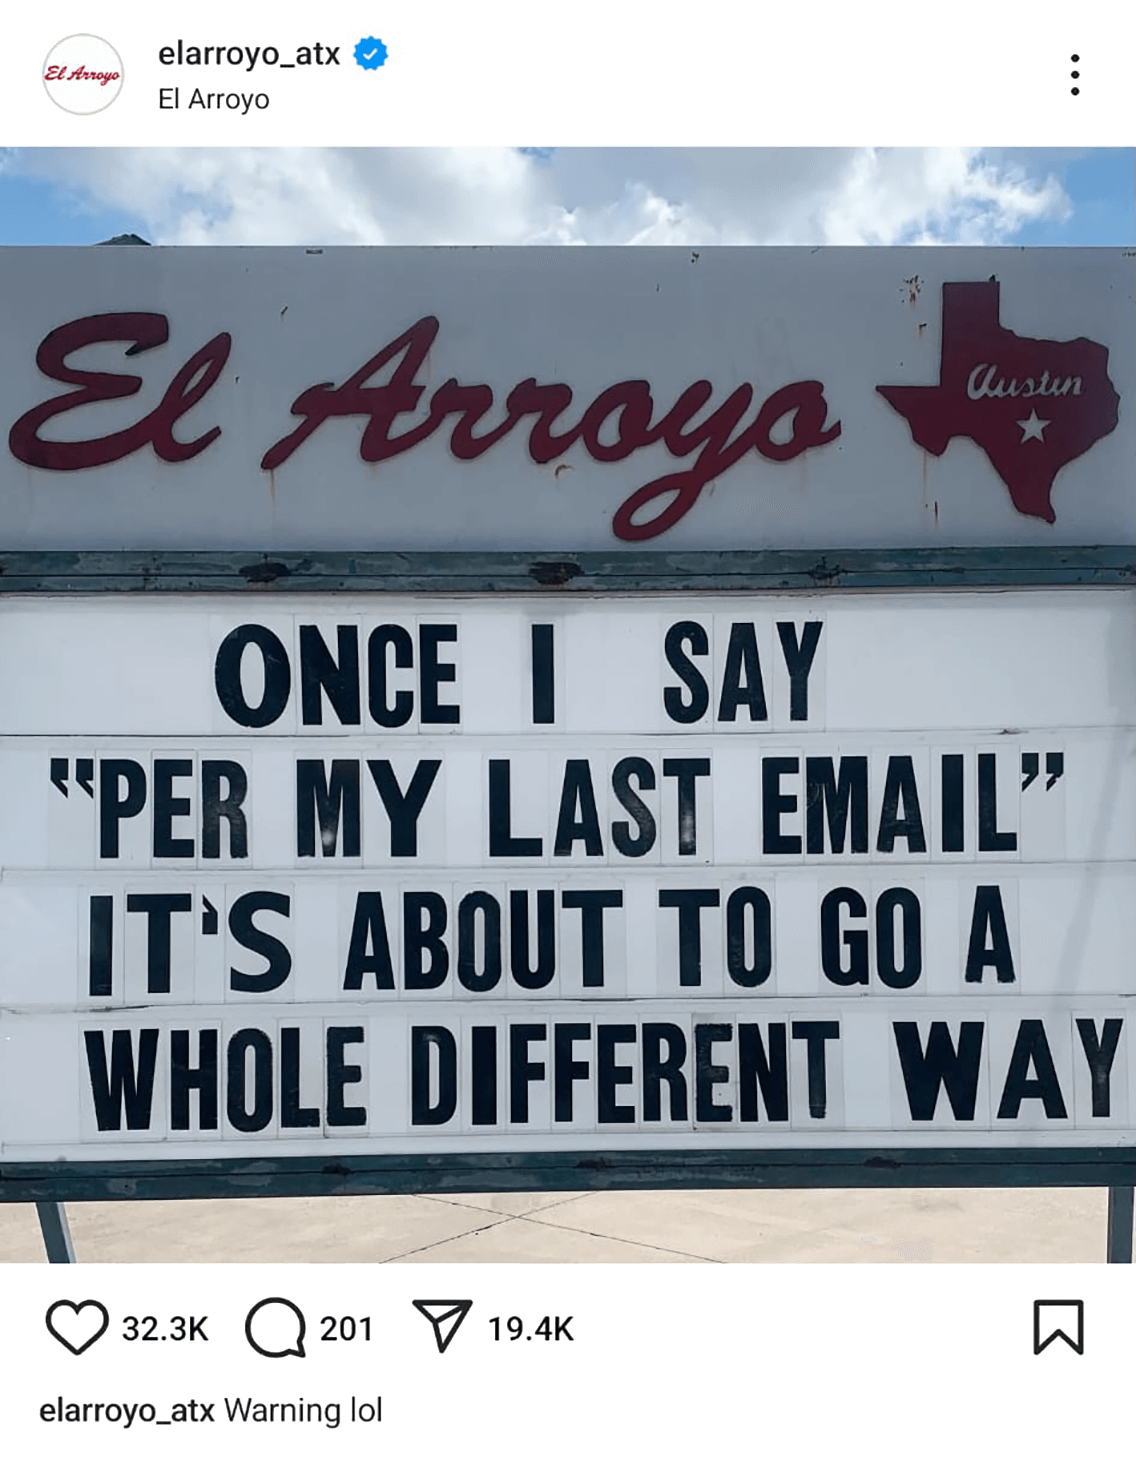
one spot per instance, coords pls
(77, 1326)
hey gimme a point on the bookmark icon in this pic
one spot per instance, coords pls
(1059, 1321)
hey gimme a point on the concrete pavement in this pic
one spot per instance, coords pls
(877, 1226)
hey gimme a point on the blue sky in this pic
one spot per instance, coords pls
(606, 196)
(1101, 184)
(36, 211)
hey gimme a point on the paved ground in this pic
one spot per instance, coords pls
(878, 1226)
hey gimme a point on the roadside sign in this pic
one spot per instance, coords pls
(380, 875)
(543, 750)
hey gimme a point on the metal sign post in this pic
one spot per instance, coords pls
(56, 1234)
(1120, 1225)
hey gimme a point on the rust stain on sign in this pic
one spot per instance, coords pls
(824, 573)
(554, 573)
(263, 573)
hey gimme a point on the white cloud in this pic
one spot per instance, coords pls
(578, 196)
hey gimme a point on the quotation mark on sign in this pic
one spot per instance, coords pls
(1054, 768)
(84, 775)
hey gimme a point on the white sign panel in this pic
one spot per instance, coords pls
(330, 876)
(565, 400)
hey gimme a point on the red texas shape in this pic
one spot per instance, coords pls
(1031, 405)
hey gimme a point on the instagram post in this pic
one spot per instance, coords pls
(567, 634)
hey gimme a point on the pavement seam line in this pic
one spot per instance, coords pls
(540, 1208)
(449, 1240)
(566, 1228)
(458, 1204)
(620, 1239)
(501, 1213)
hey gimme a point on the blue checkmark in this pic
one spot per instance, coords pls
(370, 53)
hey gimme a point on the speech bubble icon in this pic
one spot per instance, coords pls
(275, 1328)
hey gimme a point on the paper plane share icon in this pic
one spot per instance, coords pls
(445, 1317)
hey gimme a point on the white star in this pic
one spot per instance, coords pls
(1033, 426)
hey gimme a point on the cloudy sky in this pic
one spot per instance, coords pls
(343, 196)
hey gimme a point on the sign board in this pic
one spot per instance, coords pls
(565, 400)
(704, 856)
(304, 878)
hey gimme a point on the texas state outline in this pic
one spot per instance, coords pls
(1032, 405)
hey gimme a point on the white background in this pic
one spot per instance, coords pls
(667, 1366)
(628, 74)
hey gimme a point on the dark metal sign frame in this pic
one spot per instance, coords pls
(562, 574)
(515, 1171)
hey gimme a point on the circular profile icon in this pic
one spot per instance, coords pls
(83, 74)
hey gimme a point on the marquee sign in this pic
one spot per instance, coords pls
(539, 749)
(371, 875)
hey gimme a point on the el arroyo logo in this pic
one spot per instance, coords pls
(83, 74)
(1032, 406)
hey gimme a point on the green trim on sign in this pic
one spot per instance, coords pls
(585, 571)
(510, 1172)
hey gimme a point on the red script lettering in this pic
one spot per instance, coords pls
(143, 329)
(626, 410)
